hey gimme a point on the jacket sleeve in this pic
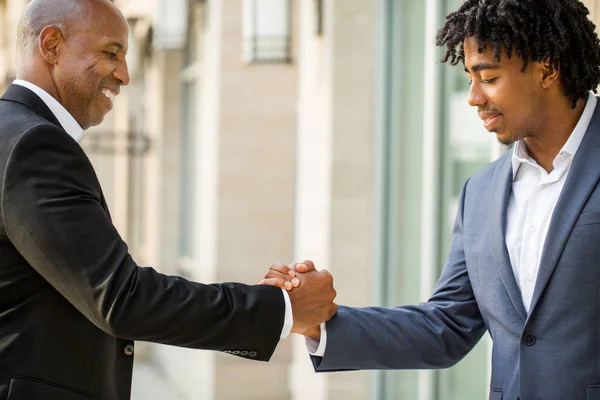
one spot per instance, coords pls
(434, 334)
(52, 213)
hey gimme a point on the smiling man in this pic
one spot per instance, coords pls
(524, 262)
(72, 300)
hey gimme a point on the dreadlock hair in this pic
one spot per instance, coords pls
(554, 31)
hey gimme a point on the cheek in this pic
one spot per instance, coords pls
(74, 75)
(516, 101)
(97, 70)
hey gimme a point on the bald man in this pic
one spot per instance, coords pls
(72, 300)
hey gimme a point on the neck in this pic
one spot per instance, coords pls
(544, 146)
(43, 80)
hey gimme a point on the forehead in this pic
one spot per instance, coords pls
(474, 59)
(105, 24)
(472, 54)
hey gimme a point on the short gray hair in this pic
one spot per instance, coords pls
(40, 14)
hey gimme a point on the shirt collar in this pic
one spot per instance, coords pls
(520, 154)
(69, 124)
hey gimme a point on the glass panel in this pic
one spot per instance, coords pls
(190, 53)
(406, 54)
(318, 19)
(266, 30)
(186, 192)
(467, 147)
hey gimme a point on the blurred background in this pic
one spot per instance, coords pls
(270, 131)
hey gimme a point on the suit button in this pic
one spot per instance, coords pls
(252, 354)
(128, 350)
(529, 339)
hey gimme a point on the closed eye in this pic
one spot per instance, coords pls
(484, 81)
(111, 54)
(488, 81)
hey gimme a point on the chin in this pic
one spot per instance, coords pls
(505, 139)
(93, 122)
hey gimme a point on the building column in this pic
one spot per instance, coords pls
(335, 198)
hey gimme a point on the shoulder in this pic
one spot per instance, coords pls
(484, 176)
(15, 117)
(43, 151)
(19, 122)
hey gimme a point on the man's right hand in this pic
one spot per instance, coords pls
(312, 302)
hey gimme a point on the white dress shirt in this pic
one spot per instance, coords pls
(72, 127)
(532, 200)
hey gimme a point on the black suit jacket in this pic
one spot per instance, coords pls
(72, 300)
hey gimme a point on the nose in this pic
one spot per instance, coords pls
(121, 73)
(476, 96)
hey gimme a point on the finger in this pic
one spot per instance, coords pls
(306, 266)
(293, 268)
(275, 274)
(295, 282)
(284, 269)
(280, 283)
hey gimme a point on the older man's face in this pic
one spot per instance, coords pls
(91, 67)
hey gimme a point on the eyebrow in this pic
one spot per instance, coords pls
(482, 66)
(117, 45)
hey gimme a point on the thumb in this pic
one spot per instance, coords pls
(306, 266)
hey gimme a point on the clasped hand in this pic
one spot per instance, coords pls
(311, 294)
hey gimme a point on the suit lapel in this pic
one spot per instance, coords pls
(581, 181)
(22, 95)
(500, 191)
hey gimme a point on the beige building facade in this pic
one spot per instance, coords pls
(263, 131)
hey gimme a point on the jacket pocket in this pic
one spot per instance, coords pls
(30, 389)
(592, 392)
(588, 218)
(495, 394)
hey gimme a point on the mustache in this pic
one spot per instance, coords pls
(112, 85)
(488, 111)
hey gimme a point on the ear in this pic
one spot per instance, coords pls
(550, 74)
(48, 43)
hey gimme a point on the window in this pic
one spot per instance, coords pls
(190, 76)
(319, 17)
(460, 149)
(169, 25)
(266, 31)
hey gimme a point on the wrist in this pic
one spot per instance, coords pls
(313, 333)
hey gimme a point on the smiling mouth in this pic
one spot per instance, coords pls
(110, 95)
(489, 121)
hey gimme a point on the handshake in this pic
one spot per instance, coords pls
(311, 293)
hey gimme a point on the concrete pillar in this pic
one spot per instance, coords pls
(256, 123)
(335, 178)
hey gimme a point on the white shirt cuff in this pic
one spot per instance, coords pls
(317, 347)
(288, 322)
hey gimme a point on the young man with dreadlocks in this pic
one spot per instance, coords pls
(525, 257)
